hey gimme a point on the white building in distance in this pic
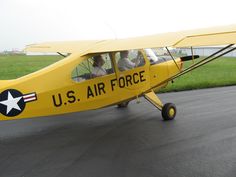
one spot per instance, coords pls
(203, 51)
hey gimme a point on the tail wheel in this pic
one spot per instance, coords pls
(168, 111)
(123, 104)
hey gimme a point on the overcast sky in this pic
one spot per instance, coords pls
(25, 22)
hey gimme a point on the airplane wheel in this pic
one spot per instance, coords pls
(168, 111)
(123, 104)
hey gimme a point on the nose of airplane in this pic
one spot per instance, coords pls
(187, 58)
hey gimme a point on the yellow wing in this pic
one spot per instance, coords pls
(63, 46)
(201, 37)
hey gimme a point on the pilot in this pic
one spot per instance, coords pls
(124, 63)
(98, 62)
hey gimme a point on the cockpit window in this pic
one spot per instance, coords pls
(151, 55)
(96, 66)
(129, 59)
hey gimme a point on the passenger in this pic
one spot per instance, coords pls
(124, 63)
(97, 66)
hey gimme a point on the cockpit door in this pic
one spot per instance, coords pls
(132, 73)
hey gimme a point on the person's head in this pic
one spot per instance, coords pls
(98, 61)
(124, 54)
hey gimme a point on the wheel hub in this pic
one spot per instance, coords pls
(171, 112)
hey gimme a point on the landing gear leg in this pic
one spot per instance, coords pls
(168, 110)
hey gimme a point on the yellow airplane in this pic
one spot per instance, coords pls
(96, 74)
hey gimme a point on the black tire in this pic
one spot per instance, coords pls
(168, 111)
(123, 104)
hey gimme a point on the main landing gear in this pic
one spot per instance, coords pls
(168, 110)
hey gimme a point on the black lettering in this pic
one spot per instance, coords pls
(55, 102)
(136, 80)
(122, 84)
(70, 95)
(142, 79)
(89, 92)
(113, 84)
(101, 87)
(95, 89)
(128, 80)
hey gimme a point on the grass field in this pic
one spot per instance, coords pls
(12, 67)
(221, 72)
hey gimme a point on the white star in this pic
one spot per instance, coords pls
(11, 102)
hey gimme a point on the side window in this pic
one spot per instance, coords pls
(96, 66)
(156, 56)
(129, 59)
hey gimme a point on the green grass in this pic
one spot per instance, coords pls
(14, 66)
(221, 72)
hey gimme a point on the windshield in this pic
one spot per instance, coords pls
(151, 55)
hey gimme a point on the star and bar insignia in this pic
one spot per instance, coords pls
(12, 102)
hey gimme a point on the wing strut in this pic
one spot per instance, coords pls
(207, 60)
(61, 54)
(192, 55)
(173, 59)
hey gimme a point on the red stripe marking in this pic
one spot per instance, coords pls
(25, 97)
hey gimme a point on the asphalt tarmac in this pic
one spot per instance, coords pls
(130, 142)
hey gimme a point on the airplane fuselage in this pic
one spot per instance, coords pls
(51, 90)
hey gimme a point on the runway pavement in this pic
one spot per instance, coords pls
(132, 142)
